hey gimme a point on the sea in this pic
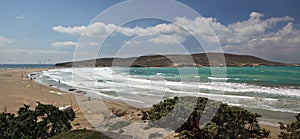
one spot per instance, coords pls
(269, 88)
(2, 66)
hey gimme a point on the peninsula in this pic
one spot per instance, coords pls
(199, 60)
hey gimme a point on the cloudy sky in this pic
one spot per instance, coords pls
(34, 31)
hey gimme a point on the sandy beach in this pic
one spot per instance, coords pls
(17, 90)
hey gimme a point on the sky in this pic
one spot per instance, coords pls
(35, 31)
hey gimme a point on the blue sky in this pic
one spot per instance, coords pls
(35, 31)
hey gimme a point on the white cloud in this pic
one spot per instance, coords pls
(251, 37)
(236, 33)
(95, 29)
(257, 35)
(100, 29)
(64, 44)
(93, 44)
(255, 25)
(21, 17)
(70, 30)
(163, 29)
(4, 41)
(167, 39)
(256, 15)
(132, 42)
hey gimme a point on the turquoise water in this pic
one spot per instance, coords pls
(269, 76)
(265, 88)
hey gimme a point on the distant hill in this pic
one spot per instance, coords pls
(202, 59)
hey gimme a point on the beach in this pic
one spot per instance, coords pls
(17, 90)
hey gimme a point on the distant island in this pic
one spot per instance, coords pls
(199, 60)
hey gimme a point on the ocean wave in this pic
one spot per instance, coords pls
(218, 78)
(137, 89)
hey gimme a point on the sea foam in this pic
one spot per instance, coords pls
(146, 91)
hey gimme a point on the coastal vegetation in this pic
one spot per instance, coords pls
(227, 122)
(292, 130)
(223, 121)
(42, 122)
(81, 134)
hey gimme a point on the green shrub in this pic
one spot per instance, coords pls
(291, 131)
(81, 134)
(43, 122)
(227, 122)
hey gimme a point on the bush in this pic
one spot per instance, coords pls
(291, 131)
(228, 122)
(43, 122)
(118, 112)
(81, 134)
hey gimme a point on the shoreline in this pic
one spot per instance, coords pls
(18, 90)
(14, 94)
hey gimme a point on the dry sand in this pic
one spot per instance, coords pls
(14, 94)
